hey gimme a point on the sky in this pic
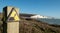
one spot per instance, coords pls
(41, 7)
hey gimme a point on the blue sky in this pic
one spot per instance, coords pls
(42, 7)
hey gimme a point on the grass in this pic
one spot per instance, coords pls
(34, 26)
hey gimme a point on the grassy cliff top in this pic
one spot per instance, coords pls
(33, 26)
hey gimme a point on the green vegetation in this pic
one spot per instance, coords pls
(34, 26)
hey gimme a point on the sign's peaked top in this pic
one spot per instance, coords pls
(11, 6)
(11, 13)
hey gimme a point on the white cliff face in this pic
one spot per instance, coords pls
(38, 16)
(47, 19)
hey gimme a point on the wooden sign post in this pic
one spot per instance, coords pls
(10, 20)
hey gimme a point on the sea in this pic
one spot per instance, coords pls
(50, 21)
